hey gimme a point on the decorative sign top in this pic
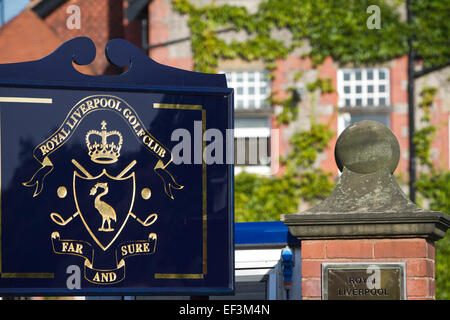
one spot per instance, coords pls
(143, 72)
(95, 195)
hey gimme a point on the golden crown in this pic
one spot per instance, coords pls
(105, 150)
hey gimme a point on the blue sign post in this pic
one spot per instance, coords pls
(112, 184)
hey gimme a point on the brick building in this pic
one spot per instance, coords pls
(377, 93)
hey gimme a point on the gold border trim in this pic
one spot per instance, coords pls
(26, 100)
(27, 275)
(177, 106)
(204, 216)
(204, 204)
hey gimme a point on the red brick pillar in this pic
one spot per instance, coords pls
(367, 219)
(418, 254)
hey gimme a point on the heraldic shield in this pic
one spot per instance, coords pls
(104, 203)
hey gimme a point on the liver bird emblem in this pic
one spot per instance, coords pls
(106, 211)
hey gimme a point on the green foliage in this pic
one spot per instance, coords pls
(325, 85)
(260, 198)
(430, 31)
(435, 187)
(306, 145)
(289, 106)
(424, 137)
(208, 47)
(443, 268)
(333, 28)
(315, 184)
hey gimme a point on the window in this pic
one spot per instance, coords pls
(363, 87)
(347, 118)
(364, 93)
(252, 145)
(251, 88)
(252, 133)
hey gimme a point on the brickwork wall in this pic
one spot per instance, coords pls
(166, 25)
(440, 147)
(399, 115)
(132, 30)
(36, 39)
(162, 28)
(418, 254)
(101, 20)
(327, 101)
(440, 115)
(324, 104)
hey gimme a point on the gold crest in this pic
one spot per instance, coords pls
(104, 151)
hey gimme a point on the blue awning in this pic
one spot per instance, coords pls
(266, 233)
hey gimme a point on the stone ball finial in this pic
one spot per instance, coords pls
(366, 147)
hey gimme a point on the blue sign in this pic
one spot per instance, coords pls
(109, 184)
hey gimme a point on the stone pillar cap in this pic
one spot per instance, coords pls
(367, 201)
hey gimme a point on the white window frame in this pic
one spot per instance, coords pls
(242, 100)
(253, 133)
(345, 118)
(241, 81)
(364, 82)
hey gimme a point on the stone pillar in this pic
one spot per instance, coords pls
(367, 218)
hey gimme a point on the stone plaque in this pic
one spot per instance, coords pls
(363, 281)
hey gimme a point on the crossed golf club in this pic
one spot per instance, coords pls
(58, 219)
